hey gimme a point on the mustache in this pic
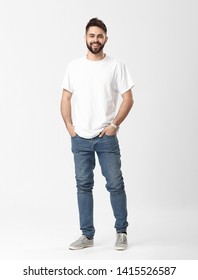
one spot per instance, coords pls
(98, 43)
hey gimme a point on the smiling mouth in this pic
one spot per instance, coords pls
(95, 45)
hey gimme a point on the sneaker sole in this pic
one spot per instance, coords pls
(121, 249)
(79, 248)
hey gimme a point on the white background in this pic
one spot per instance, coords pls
(38, 210)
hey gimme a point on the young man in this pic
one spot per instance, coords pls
(96, 80)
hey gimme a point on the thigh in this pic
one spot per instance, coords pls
(108, 152)
(84, 158)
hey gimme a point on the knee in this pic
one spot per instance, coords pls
(84, 186)
(115, 187)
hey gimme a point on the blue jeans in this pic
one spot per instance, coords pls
(108, 152)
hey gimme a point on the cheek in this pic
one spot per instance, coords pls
(88, 42)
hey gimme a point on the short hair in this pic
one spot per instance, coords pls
(96, 22)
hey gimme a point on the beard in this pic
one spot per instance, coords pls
(95, 50)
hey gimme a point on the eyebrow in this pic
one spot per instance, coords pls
(92, 34)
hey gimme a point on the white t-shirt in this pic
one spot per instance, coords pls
(96, 86)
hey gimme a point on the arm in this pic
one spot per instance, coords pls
(123, 111)
(66, 111)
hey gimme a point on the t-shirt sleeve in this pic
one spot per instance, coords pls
(124, 81)
(66, 83)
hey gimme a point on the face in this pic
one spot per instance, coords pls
(95, 39)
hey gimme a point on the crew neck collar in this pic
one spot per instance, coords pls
(99, 60)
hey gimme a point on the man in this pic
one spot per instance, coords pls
(96, 80)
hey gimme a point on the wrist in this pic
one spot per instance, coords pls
(114, 125)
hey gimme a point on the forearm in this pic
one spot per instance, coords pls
(66, 112)
(124, 109)
(66, 109)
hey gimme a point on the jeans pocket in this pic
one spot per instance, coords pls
(74, 136)
(110, 135)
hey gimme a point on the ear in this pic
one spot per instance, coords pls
(106, 39)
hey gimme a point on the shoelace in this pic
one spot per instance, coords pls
(122, 238)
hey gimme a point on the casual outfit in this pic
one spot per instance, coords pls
(95, 86)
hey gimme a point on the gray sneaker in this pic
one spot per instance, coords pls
(121, 241)
(80, 243)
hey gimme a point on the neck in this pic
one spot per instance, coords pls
(98, 56)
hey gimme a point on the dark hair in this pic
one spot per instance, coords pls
(96, 22)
